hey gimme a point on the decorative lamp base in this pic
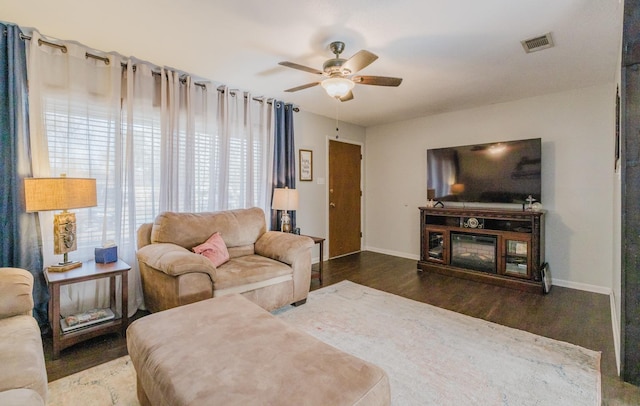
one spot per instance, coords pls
(285, 226)
(64, 266)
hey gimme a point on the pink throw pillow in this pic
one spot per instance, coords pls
(215, 249)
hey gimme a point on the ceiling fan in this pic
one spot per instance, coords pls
(340, 73)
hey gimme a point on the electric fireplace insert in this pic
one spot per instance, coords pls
(474, 251)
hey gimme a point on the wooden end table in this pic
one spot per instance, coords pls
(89, 271)
(318, 240)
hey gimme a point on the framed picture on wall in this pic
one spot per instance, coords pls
(306, 165)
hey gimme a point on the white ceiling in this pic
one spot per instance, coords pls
(451, 54)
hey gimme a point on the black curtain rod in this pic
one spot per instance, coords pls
(104, 59)
(258, 99)
(63, 48)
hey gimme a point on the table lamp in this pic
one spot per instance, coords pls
(285, 199)
(63, 193)
(457, 188)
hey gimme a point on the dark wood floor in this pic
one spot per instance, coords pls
(574, 316)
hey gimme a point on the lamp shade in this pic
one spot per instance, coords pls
(285, 199)
(457, 188)
(337, 87)
(42, 194)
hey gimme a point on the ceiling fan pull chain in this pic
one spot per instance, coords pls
(337, 128)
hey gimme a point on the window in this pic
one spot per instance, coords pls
(80, 138)
(211, 170)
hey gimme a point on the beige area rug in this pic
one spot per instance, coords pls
(432, 356)
(438, 357)
(111, 383)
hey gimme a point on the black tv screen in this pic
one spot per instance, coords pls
(498, 172)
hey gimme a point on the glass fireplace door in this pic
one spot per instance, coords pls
(516, 261)
(436, 240)
(474, 251)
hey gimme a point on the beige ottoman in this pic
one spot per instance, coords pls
(229, 351)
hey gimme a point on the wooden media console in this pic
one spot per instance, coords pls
(501, 247)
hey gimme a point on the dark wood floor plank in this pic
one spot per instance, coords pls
(570, 315)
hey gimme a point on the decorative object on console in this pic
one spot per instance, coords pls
(431, 194)
(472, 222)
(530, 201)
(63, 193)
(285, 199)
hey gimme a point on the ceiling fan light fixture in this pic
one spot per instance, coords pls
(337, 87)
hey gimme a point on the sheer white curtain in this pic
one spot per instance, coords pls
(216, 147)
(246, 135)
(76, 129)
(154, 140)
(142, 115)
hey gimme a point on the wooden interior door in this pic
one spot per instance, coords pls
(344, 198)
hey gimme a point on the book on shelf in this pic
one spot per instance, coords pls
(85, 319)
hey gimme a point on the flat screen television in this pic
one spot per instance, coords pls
(497, 172)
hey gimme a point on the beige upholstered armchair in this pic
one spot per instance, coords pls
(23, 376)
(270, 268)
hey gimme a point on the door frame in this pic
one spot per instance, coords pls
(326, 189)
(629, 351)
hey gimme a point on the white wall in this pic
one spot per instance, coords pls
(580, 189)
(577, 130)
(313, 132)
(616, 282)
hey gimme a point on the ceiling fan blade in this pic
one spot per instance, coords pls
(377, 80)
(359, 61)
(300, 67)
(347, 97)
(308, 85)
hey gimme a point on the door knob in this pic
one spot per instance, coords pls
(332, 204)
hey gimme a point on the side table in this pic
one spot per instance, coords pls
(318, 240)
(89, 271)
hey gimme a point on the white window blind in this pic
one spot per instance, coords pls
(85, 141)
(80, 137)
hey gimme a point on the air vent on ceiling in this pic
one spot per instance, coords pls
(537, 43)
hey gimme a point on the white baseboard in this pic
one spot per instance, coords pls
(615, 326)
(582, 286)
(394, 253)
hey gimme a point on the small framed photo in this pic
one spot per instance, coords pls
(306, 165)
